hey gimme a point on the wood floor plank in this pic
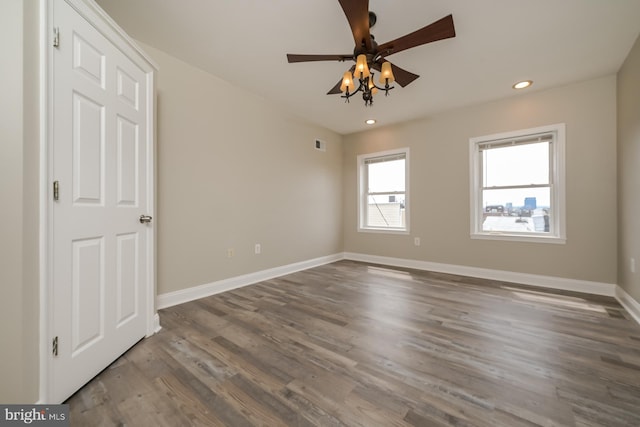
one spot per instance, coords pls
(355, 344)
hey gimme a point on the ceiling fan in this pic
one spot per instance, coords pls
(370, 55)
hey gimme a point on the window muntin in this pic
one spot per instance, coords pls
(518, 185)
(383, 191)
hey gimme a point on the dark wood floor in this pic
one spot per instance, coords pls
(360, 345)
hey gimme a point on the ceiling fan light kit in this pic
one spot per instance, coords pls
(368, 55)
(366, 81)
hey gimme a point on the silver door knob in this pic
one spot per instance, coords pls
(145, 219)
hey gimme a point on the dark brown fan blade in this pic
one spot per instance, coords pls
(357, 13)
(308, 58)
(336, 89)
(402, 76)
(439, 30)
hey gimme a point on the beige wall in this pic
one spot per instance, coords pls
(11, 196)
(234, 170)
(439, 180)
(19, 165)
(629, 172)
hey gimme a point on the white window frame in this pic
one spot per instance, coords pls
(363, 192)
(557, 230)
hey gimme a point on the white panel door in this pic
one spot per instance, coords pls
(100, 260)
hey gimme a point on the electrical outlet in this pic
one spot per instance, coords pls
(416, 241)
(230, 253)
(257, 249)
(632, 265)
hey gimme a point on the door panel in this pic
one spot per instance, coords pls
(128, 148)
(127, 278)
(128, 88)
(88, 60)
(88, 150)
(87, 294)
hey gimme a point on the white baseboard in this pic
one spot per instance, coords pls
(631, 305)
(560, 283)
(185, 295)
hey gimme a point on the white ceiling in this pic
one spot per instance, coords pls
(498, 42)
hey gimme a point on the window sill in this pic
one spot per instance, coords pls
(383, 230)
(520, 238)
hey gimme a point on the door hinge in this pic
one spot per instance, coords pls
(55, 346)
(56, 190)
(56, 37)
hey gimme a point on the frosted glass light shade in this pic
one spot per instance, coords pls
(386, 73)
(372, 87)
(347, 82)
(362, 69)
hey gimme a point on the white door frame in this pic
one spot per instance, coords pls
(107, 27)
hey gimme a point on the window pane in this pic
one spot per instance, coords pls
(517, 210)
(516, 165)
(386, 176)
(386, 211)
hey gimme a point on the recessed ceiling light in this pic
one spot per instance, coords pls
(370, 121)
(523, 84)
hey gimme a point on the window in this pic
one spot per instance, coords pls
(517, 185)
(383, 191)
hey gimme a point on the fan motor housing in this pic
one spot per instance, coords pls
(359, 50)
